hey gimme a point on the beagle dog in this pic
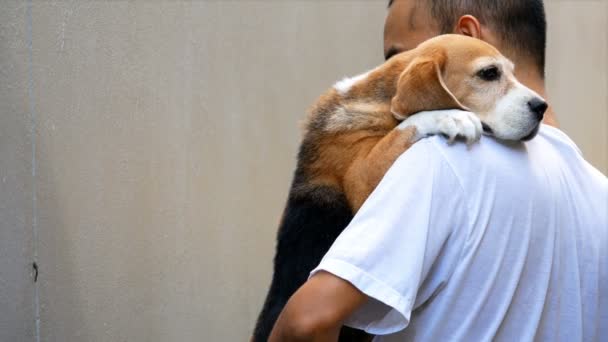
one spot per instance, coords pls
(357, 129)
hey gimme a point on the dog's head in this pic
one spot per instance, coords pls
(455, 71)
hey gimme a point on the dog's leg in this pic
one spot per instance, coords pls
(376, 158)
(366, 172)
(453, 123)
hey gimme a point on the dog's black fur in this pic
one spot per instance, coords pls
(312, 220)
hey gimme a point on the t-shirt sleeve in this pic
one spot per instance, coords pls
(403, 244)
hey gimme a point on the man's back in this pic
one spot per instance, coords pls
(518, 252)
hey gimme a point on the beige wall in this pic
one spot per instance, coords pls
(577, 73)
(164, 138)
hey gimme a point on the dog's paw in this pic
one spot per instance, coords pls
(452, 123)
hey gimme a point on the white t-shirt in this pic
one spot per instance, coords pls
(494, 242)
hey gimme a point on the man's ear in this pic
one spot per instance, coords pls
(468, 25)
(421, 87)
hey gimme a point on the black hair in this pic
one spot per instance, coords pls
(520, 24)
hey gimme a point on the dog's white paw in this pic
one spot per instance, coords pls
(453, 123)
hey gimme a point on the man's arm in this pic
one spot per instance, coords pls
(317, 310)
(380, 260)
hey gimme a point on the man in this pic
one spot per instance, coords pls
(505, 242)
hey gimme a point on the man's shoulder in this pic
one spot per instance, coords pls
(493, 159)
(439, 153)
(491, 149)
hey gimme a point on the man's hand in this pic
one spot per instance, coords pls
(317, 310)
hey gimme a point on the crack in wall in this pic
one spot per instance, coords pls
(32, 110)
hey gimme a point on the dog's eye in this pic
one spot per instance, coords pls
(489, 74)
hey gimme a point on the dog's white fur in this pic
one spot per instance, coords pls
(511, 116)
(346, 83)
(453, 123)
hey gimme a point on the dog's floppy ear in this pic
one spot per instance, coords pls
(421, 87)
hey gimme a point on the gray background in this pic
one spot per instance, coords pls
(146, 150)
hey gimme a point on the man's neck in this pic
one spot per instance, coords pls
(535, 82)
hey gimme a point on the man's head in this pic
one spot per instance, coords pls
(516, 27)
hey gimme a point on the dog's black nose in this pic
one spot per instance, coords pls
(538, 107)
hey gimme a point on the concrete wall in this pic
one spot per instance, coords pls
(146, 149)
(17, 214)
